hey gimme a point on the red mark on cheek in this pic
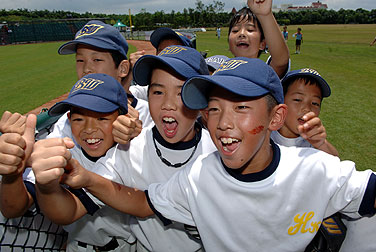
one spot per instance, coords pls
(256, 130)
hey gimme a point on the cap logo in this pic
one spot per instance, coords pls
(216, 60)
(172, 50)
(89, 30)
(230, 65)
(87, 84)
(179, 33)
(308, 70)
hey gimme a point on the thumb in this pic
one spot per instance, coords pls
(29, 133)
(68, 142)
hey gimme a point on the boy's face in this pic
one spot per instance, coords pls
(245, 39)
(92, 130)
(300, 99)
(174, 121)
(90, 59)
(239, 127)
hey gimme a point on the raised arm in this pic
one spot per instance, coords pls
(15, 149)
(125, 199)
(49, 159)
(273, 36)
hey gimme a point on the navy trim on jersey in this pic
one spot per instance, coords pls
(258, 176)
(30, 187)
(134, 100)
(92, 159)
(164, 220)
(89, 204)
(179, 145)
(367, 207)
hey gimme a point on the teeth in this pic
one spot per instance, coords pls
(93, 140)
(228, 140)
(169, 119)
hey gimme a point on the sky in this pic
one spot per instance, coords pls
(123, 6)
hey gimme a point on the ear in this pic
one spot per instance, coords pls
(123, 69)
(278, 114)
(204, 116)
(262, 45)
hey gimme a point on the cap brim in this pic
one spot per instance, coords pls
(144, 66)
(89, 102)
(71, 46)
(196, 90)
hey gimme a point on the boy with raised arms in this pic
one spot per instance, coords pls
(250, 194)
(158, 152)
(93, 104)
(254, 27)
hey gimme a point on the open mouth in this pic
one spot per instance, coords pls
(242, 45)
(229, 144)
(170, 126)
(93, 143)
(301, 121)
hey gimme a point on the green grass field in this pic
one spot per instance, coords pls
(34, 74)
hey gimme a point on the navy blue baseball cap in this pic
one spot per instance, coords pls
(96, 92)
(185, 61)
(308, 73)
(247, 77)
(215, 61)
(164, 32)
(98, 34)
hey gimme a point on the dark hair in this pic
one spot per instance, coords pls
(239, 16)
(307, 81)
(117, 57)
(270, 101)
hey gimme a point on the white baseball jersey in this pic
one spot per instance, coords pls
(359, 236)
(140, 92)
(62, 127)
(138, 165)
(102, 222)
(277, 209)
(281, 140)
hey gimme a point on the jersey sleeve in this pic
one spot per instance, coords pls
(354, 190)
(171, 199)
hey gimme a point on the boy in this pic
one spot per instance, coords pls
(94, 103)
(285, 33)
(100, 48)
(303, 91)
(254, 27)
(299, 40)
(250, 194)
(158, 152)
(160, 39)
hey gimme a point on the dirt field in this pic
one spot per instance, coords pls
(140, 45)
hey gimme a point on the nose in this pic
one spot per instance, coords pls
(90, 125)
(225, 121)
(87, 68)
(169, 102)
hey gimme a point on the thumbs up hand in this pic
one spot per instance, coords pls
(15, 149)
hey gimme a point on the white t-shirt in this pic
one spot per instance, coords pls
(298, 141)
(138, 165)
(140, 92)
(359, 236)
(277, 209)
(102, 222)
